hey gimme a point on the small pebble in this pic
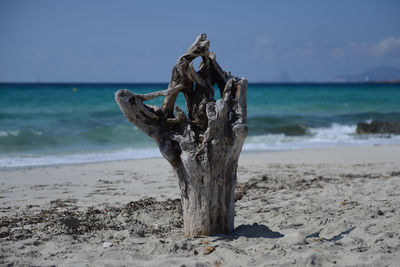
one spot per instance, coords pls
(107, 244)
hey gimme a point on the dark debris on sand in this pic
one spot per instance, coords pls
(65, 217)
(143, 217)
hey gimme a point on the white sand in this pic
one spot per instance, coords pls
(328, 206)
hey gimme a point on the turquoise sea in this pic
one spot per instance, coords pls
(43, 124)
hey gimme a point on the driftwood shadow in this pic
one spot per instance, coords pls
(254, 230)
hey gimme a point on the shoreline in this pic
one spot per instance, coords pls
(320, 206)
(244, 152)
(131, 180)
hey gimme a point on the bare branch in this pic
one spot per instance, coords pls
(165, 92)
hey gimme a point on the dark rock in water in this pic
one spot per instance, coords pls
(378, 127)
(291, 130)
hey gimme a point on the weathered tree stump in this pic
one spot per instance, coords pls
(202, 147)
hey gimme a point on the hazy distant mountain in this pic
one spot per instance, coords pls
(373, 75)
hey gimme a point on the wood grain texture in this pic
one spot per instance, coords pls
(203, 146)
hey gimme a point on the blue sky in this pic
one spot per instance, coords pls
(140, 41)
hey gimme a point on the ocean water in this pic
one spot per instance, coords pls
(43, 124)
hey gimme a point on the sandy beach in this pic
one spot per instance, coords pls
(327, 206)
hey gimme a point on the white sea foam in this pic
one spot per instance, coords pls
(9, 133)
(335, 135)
(42, 160)
(17, 133)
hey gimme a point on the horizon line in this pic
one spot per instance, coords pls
(253, 83)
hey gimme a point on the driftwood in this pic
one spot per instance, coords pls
(203, 146)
